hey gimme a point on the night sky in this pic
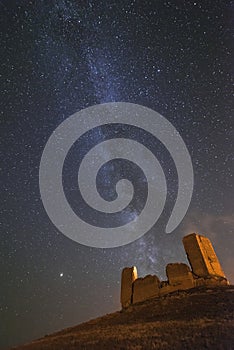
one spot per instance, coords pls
(58, 57)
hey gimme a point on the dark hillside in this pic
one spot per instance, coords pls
(195, 319)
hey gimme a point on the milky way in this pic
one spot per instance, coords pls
(59, 57)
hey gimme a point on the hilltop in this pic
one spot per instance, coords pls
(198, 318)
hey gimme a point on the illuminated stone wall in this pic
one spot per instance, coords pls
(201, 256)
(145, 288)
(129, 275)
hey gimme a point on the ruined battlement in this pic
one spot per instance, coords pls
(205, 271)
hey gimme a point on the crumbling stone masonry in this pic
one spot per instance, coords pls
(145, 288)
(201, 256)
(129, 275)
(206, 271)
(179, 274)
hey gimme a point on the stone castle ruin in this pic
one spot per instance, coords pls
(205, 271)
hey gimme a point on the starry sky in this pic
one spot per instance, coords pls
(58, 57)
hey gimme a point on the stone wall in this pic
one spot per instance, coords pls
(129, 275)
(201, 256)
(145, 288)
(206, 271)
(179, 274)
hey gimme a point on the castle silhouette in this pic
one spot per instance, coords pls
(205, 271)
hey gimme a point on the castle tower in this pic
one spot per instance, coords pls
(129, 275)
(201, 256)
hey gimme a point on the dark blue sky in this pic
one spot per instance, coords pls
(58, 57)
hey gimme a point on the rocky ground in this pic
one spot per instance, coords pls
(195, 319)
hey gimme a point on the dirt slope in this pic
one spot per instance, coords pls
(195, 319)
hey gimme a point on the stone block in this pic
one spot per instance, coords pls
(178, 274)
(211, 281)
(129, 275)
(145, 288)
(201, 256)
(166, 288)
